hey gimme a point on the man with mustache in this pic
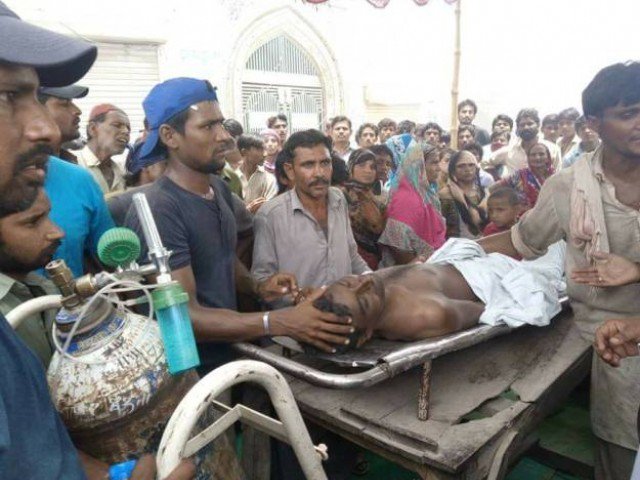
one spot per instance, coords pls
(108, 133)
(306, 230)
(514, 156)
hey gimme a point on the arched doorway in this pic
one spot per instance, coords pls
(280, 63)
(279, 77)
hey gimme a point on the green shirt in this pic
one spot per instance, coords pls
(35, 331)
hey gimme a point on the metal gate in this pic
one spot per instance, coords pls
(279, 77)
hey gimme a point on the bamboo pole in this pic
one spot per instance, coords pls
(456, 81)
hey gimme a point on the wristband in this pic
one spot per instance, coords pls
(265, 323)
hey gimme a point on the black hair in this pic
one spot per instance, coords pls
(280, 172)
(470, 128)
(617, 84)
(233, 126)
(405, 126)
(340, 118)
(271, 121)
(580, 123)
(569, 114)
(505, 193)
(325, 305)
(495, 135)
(179, 121)
(433, 126)
(445, 138)
(443, 152)
(43, 97)
(366, 125)
(358, 156)
(552, 118)
(306, 139)
(381, 150)
(474, 148)
(470, 103)
(531, 113)
(462, 209)
(386, 122)
(339, 171)
(249, 141)
(427, 149)
(504, 118)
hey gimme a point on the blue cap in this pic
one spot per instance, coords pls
(168, 99)
(134, 163)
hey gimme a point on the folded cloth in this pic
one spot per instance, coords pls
(514, 292)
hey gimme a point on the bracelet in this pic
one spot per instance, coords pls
(265, 323)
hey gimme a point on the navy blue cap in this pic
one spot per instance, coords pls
(59, 60)
(168, 99)
(134, 163)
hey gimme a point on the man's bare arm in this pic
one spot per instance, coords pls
(499, 243)
(304, 322)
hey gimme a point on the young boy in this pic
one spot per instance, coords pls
(503, 207)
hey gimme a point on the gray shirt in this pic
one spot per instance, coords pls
(289, 239)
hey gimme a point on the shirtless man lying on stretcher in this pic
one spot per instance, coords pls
(414, 302)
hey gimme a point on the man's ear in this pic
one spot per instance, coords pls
(366, 285)
(168, 136)
(288, 169)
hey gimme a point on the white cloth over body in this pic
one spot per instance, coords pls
(514, 292)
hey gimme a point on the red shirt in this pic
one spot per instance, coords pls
(492, 228)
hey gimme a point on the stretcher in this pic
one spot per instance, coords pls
(484, 392)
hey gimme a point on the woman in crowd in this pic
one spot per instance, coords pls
(367, 213)
(462, 196)
(527, 182)
(414, 225)
(432, 166)
(272, 146)
(444, 155)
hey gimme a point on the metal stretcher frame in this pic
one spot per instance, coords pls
(397, 361)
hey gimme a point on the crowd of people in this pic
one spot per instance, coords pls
(255, 222)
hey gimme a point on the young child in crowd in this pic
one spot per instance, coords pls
(503, 207)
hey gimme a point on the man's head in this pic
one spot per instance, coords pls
(359, 297)
(234, 127)
(66, 114)
(340, 130)
(387, 129)
(502, 123)
(281, 175)
(142, 172)
(499, 140)
(384, 161)
(186, 122)
(467, 110)
(503, 207)
(307, 163)
(367, 135)
(527, 124)
(29, 57)
(550, 128)
(251, 149)
(432, 133)
(588, 136)
(406, 126)
(474, 148)
(566, 121)
(108, 130)
(280, 124)
(466, 134)
(431, 162)
(611, 104)
(272, 142)
(28, 238)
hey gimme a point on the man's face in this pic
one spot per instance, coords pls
(387, 132)
(527, 128)
(28, 239)
(567, 128)
(66, 114)
(364, 297)
(499, 141)
(271, 145)
(282, 128)
(432, 165)
(341, 132)
(501, 213)
(27, 134)
(205, 142)
(432, 135)
(550, 132)
(253, 156)
(466, 115)
(588, 135)
(310, 171)
(464, 138)
(111, 135)
(619, 129)
(384, 164)
(367, 138)
(502, 126)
